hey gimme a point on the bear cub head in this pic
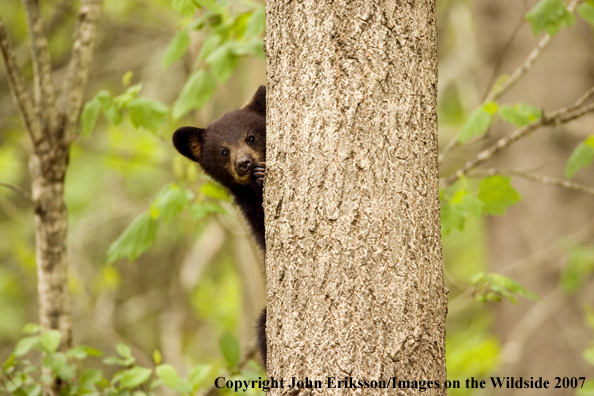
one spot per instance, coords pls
(229, 148)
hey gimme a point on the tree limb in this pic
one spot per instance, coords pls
(18, 87)
(540, 179)
(44, 87)
(558, 117)
(496, 92)
(17, 189)
(80, 63)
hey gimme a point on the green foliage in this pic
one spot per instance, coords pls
(136, 238)
(495, 287)
(20, 377)
(519, 114)
(580, 268)
(586, 11)
(461, 201)
(471, 355)
(549, 16)
(582, 157)
(169, 202)
(146, 113)
(196, 93)
(229, 34)
(230, 348)
(176, 49)
(478, 122)
(497, 194)
(457, 209)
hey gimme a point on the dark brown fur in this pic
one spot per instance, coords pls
(232, 150)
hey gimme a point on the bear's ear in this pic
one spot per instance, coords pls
(258, 102)
(188, 141)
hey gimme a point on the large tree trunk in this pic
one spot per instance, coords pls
(354, 270)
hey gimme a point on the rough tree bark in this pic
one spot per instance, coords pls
(353, 259)
(51, 126)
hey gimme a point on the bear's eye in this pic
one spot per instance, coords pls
(251, 139)
(224, 152)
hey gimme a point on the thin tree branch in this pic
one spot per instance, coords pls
(17, 189)
(497, 91)
(18, 88)
(45, 100)
(512, 37)
(80, 63)
(558, 117)
(569, 185)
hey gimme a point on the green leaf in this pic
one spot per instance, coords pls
(170, 201)
(170, 377)
(582, 157)
(184, 7)
(80, 352)
(494, 287)
(586, 11)
(25, 344)
(134, 377)
(457, 209)
(215, 191)
(168, 374)
(256, 23)
(230, 348)
(196, 93)
(31, 328)
(138, 237)
(497, 194)
(198, 375)
(113, 114)
(147, 113)
(124, 350)
(157, 356)
(209, 44)
(10, 362)
(519, 114)
(50, 340)
(223, 62)
(89, 378)
(579, 268)
(200, 210)
(177, 48)
(476, 125)
(89, 116)
(211, 5)
(55, 361)
(550, 16)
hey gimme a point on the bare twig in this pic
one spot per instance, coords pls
(17, 189)
(497, 91)
(556, 118)
(569, 185)
(80, 64)
(18, 87)
(44, 86)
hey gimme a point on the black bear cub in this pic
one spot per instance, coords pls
(232, 150)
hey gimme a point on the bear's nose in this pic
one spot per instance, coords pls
(243, 165)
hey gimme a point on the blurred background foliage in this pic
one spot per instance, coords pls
(160, 260)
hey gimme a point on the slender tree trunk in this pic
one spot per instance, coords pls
(51, 126)
(354, 269)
